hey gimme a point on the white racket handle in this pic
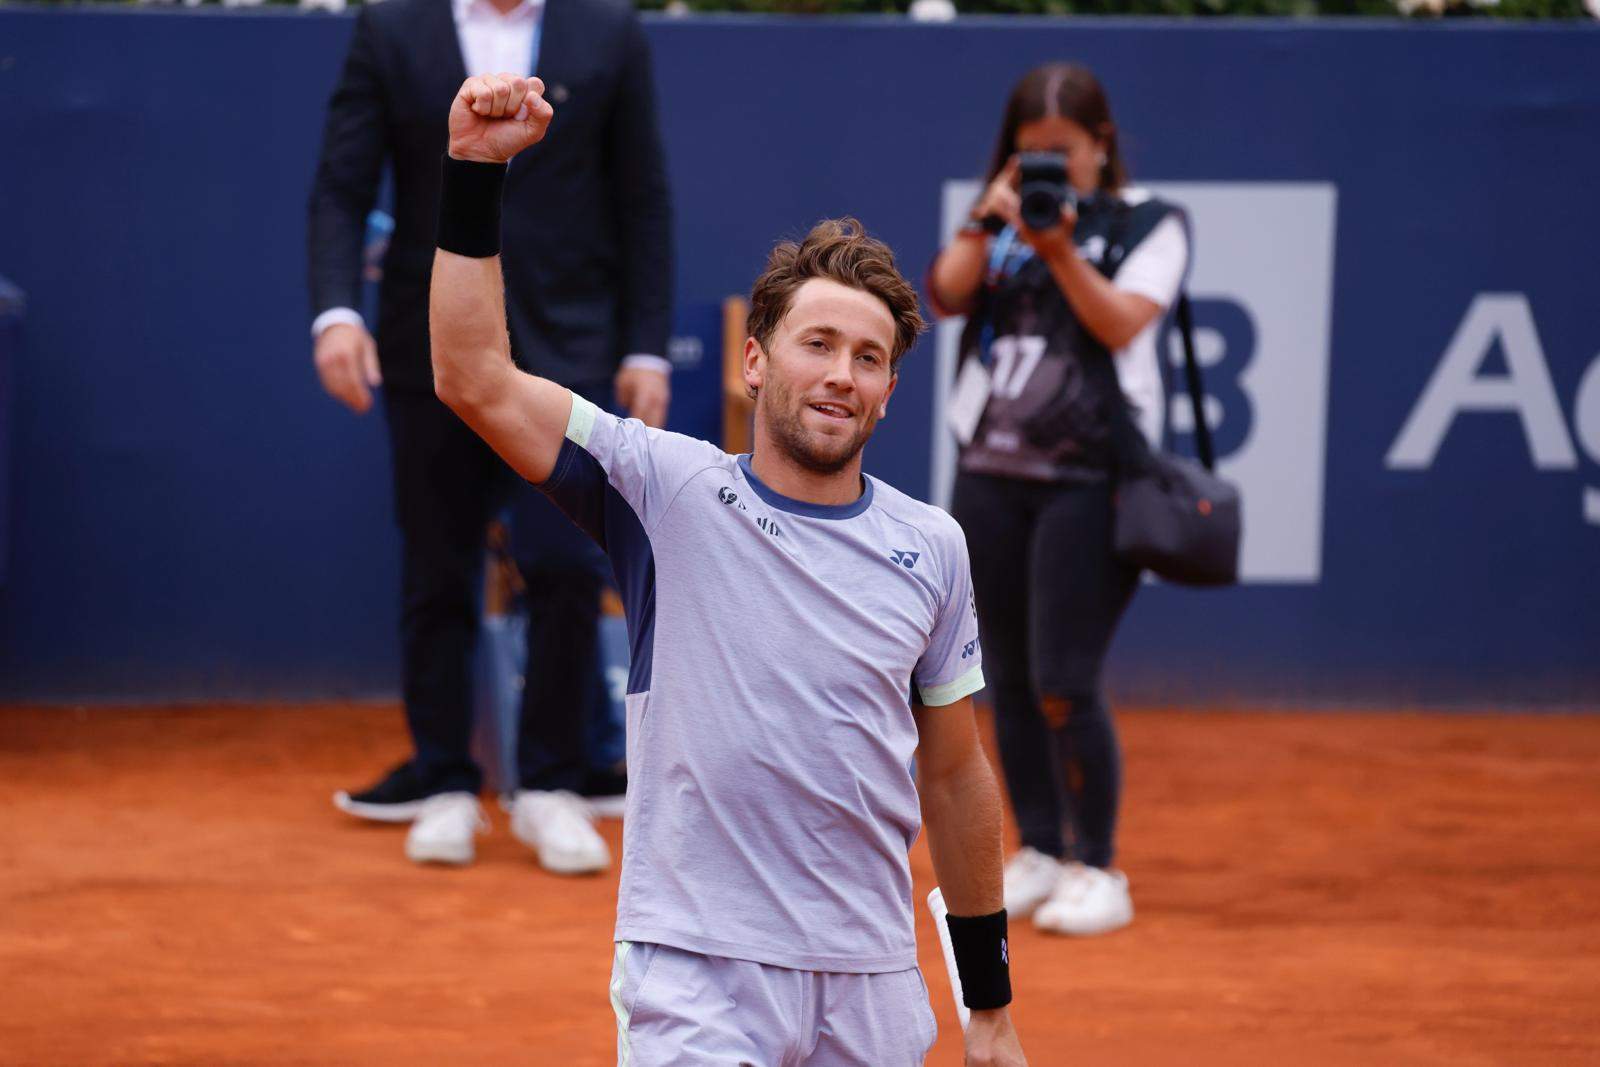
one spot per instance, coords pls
(937, 907)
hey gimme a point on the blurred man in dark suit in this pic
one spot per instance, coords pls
(588, 298)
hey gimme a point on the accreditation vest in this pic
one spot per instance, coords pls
(1055, 410)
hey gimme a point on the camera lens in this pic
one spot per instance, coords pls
(1043, 189)
(1041, 206)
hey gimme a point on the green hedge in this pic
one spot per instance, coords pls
(1516, 9)
(1511, 9)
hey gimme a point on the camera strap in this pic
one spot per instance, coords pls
(1197, 389)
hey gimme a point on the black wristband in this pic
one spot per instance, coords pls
(983, 959)
(469, 207)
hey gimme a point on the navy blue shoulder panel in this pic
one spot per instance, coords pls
(577, 486)
(634, 564)
(580, 488)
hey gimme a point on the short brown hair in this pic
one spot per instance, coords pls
(839, 250)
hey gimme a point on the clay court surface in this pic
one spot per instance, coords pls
(1312, 889)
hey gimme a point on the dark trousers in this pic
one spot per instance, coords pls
(1049, 595)
(448, 485)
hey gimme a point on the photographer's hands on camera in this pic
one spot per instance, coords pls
(1002, 200)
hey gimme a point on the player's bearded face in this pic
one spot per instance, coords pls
(827, 379)
(791, 417)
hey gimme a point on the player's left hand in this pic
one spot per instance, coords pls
(644, 394)
(992, 1040)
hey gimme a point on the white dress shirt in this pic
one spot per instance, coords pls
(493, 43)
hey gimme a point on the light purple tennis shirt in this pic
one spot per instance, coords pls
(776, 644)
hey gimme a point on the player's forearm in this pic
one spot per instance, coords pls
(961, 811)
(521, 417)
(467, 333)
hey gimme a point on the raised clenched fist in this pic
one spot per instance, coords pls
(495, 116)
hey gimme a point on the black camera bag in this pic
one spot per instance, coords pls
(1174, 516)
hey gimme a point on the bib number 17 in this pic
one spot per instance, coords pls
(1015, 359)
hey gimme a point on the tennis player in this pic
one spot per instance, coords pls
(799, 632)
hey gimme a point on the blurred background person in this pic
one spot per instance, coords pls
(588, 302)
(1059, 378)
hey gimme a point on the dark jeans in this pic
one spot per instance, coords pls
(1050, 594)
(448, 485)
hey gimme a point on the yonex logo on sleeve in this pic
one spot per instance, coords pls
(906, 559)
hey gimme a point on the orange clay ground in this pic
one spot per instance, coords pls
(1312, 889)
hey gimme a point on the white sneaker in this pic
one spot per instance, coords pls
(559, 827)
(444, 829)
(611, 807)
(1086, 901)
(1031, 877)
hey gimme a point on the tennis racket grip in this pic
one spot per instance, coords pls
(937, 907)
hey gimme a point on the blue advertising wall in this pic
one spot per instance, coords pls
(1395, 275)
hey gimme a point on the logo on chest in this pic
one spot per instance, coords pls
(908, 560)
(729, 496)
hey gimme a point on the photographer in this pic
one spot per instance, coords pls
(1064, 275)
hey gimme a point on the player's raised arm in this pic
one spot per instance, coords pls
(523, 418)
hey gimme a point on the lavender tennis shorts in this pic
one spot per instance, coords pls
(682, 1009)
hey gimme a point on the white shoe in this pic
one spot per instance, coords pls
(1031, 877)
(443, 831)
(612, 807)
(1086, 901)
(559, 827)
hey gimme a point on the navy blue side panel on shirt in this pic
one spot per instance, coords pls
(579, 487)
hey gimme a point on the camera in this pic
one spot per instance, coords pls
(1044, 188)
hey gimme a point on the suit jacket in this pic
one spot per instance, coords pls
(586, 225)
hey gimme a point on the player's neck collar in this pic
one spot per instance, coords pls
(775, 499)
